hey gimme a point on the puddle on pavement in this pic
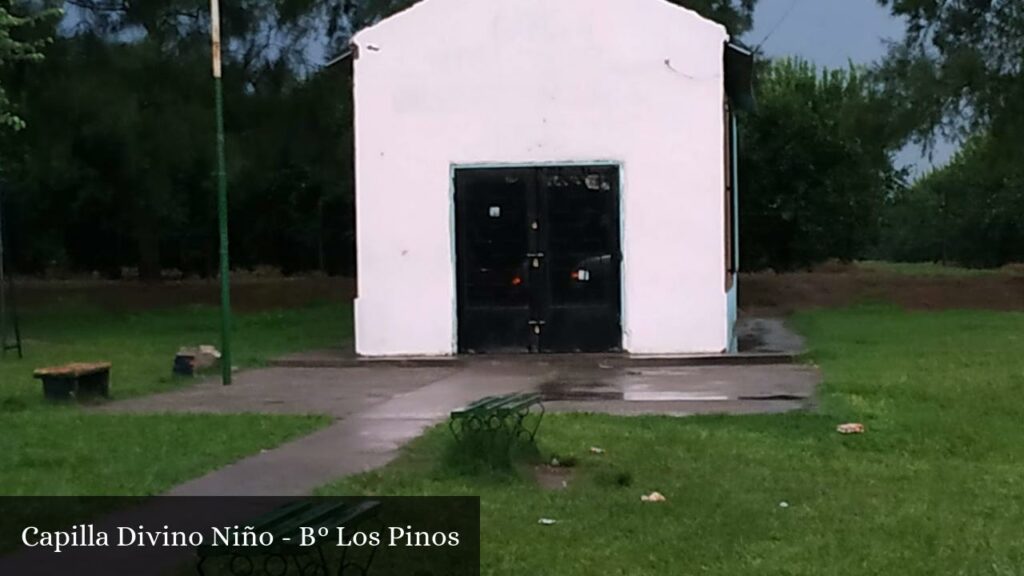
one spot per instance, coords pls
(774, 397)
(647, 396)
(556, 390)
(595, 391)
(750, 341)
(662, 372)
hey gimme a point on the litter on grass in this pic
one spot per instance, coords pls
(850, 428)
(547, 521)
(596, 450)
(653, 497)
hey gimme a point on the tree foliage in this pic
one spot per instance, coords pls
(816, 163)
(736, 15)
(968, 212)
(959, 69)
(959, 74)
(115, 169)
(17, 18)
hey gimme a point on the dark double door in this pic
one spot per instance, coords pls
(538, 259)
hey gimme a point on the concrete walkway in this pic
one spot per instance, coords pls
(380, 408)
(366, 439)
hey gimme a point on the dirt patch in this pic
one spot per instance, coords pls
(248, 294)
(553, 477)
(769, 294)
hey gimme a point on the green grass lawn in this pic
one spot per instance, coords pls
(141, 346)
(933, 269)
(66, 452)
(49, 450)
(936, 485)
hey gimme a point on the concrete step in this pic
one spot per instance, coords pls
(344, 359)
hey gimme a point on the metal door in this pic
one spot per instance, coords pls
(580, 236)
(538, 259)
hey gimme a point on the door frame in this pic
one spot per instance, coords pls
(453, 250)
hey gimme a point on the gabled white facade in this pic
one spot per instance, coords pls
(449, 83)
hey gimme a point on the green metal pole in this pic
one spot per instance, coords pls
(222, 201)
(3, 282)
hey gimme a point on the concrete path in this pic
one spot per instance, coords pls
(338, 393)
(684, 390)
(380, 408)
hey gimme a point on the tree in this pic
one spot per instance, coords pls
(959, 74)
(115, 166)
(959, 69)
(14, 19)
(736, 15)
(816, 163)
(967, 212)
(114, 169)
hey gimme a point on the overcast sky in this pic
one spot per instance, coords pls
(832, 33)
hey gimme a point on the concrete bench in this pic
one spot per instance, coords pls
(75, 381)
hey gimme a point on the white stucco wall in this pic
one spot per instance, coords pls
(452, 82)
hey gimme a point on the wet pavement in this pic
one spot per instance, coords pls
(380, 408)
(362, 440)
(683, 390)
(767, 336)
(335, 392)
(432, 392)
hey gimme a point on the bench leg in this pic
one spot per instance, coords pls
(305, 563)
(347, 565)
(95, 385)
(540, 416)
(55, 388)
(458, 428)
(520, 426)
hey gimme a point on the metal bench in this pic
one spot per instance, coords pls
(497, 414)
(286, 552)
(75, 381)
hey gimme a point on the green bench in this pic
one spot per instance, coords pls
(286, 553)
(498, 414)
